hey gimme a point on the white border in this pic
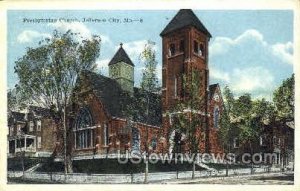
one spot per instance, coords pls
(143, 5)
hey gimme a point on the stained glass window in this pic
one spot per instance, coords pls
(84, 135)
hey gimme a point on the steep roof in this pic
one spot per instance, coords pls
(212, 88)
(184, 18)
(117, 102)
(121, 56)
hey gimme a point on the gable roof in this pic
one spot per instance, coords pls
(212, 88)
(184, 18)
(117, 101)
(121, 56)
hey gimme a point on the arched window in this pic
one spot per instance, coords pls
(216, 117)
(135, 139)
(84, 135)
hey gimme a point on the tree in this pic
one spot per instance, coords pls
(15, 101)
(149, 80)
(244, 118)
(187, 113)
(149, 85)
(48, 73)
(284, 100)
(11, 100)
(228, 130)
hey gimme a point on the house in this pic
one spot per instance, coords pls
(31, 132)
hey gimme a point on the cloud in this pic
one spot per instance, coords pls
(28, 36)
(135, 48)
(75, 27)
(249, 64)
(78, 27)
(251, 79)
(219, 75)
(284, 52)
(251, 37)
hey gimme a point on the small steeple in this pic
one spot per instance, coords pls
(121, 69)
(121, 56)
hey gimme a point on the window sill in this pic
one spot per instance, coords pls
(199, 56)
(175, 55)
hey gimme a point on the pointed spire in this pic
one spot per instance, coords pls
(121, 56)
(184, 18)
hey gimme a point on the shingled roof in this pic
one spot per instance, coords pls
(121, 56)
(184, 18)
(117, 102)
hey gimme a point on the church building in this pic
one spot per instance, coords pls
(109, 114)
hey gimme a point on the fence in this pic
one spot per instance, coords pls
(131, 178)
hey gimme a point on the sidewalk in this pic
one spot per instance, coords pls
(255, 179)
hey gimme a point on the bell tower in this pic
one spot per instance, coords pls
(184, 50)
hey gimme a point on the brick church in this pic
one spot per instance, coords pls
(109, 116)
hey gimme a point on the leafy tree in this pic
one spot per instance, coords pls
(187, 113)
(48, 73)
(149, 86)
(148, 58)
(284, 100)
(244, 118)
(11, 100)
(226, 132)
(15, 101)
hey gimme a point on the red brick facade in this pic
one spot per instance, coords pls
(181, 61)
(184, 50)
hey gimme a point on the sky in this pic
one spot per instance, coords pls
(250, 51)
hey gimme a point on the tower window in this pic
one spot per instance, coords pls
(199, 48)
(201, 52)
(196, 47)
(181, 46)
(172, 49)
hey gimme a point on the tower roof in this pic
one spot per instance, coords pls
(121, 56)
(184, 18)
